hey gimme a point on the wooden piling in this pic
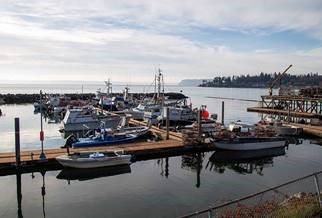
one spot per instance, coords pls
(168, 122)
(223, 112)
(199, 125)
(17, 141)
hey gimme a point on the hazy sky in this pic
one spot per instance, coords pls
(128, 40)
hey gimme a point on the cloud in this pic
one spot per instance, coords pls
(86, 39)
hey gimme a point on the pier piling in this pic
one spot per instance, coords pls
(168, 122)
(199, 125)
(223, 112)
(17, 141)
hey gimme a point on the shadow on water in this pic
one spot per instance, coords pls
(69, 174)
(89, 174)
(244, 162)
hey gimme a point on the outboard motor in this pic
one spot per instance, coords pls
(70, 140)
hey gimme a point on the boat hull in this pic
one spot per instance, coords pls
(108, 123)
(85, 163)
(245, 146)
(95, 143)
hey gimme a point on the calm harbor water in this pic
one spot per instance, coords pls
(164, 187)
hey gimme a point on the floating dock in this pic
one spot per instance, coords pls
(171, 144)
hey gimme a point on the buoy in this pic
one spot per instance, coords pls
(204, 114)
(41, 135)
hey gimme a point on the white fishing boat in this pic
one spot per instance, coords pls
(152, 113)
(94, 159)
(250, 143)
(87, 119)
(207, 126)
(240, 126)
(178, 114)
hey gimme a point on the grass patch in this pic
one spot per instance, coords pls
(301, 205)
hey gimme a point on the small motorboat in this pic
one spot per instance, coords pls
(104, 137)
(94, 159)
(250, 143)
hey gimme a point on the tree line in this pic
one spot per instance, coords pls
(263, 80)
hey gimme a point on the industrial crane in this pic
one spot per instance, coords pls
(277, 79)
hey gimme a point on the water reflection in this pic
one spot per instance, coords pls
(19, 192)
(88, 174)
(193, 162)
(244, 162)
(19, 195)
(164, 165)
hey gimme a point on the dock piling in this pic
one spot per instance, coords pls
(223, 112)
(168, 122)
(17, 141)
(199, 125)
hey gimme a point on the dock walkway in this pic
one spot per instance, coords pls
(9, 158)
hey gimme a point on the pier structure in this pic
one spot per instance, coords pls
(294, 109)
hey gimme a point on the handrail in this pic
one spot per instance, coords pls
(248, 196)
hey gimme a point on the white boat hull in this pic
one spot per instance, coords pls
(108, 123)
(85, 163)
(249, 145)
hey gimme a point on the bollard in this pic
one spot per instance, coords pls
(17, 141)
(168, 122)
(222, 112)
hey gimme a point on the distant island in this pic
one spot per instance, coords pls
(263, 80)
(191, 82)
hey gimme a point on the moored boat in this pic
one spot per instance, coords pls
(86, 118)
(94, 159)
(250, 143)
(104, 140)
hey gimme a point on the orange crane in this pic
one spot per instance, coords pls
(277, 79)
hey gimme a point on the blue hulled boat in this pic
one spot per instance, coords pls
(104, 140)
(109, 137)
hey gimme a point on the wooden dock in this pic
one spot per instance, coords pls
(174, 144)
(9, 158)
(171, 144)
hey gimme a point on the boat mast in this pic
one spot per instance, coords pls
(108, 87)
(160, 95)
